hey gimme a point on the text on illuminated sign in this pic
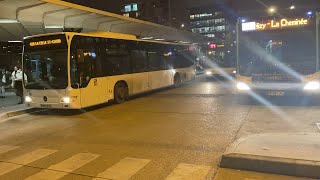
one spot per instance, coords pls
(43, 43)
(274, 24)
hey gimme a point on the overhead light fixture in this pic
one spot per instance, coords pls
(54, 27)
(146, 38)
(309, 13)
(292, 7)
(14, 41)
(243, 20)
(8, 21)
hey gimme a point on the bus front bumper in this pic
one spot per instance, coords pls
(52, 105)
(279, 90)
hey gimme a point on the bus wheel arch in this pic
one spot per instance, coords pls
(121, 92)
(177, 80)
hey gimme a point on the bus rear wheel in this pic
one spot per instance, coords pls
(120, 92)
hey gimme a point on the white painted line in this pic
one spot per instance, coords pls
(189, 171)
(32, 156)
(47, 175)
(6, 167)
(66, 166)
(124, 169)
(318, 124)
(6, 148)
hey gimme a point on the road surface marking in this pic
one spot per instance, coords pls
(6, 167)
(318, 124)
(61, 169)
(124, 169)
(5, 148)
(189, 171)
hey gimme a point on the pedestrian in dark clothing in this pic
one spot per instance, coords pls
(3, 81)
(17, 82)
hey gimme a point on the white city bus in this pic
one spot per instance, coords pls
(78, 70)
(279, 56)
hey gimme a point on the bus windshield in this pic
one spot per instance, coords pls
(277, 51)
(46, 69)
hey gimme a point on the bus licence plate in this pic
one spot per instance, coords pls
(276, 93)
(45, 105)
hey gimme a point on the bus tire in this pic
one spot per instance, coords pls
(120, 92)
(177, 80)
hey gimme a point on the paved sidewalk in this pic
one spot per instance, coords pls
(10, 100)
(9, 106)
(287, 154)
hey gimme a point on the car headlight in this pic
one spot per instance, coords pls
(242, 86)
(313, 85)
(27, 99)
(66, 100)
(208, 73)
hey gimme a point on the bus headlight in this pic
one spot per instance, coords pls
(208, 73)
(27, 99)
(312, 85)
(66, 100)
(242, 86)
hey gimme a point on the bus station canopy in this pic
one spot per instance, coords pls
(20, 18)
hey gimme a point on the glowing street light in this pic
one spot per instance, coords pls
(182, 25)
(272, 9)
(292, 7)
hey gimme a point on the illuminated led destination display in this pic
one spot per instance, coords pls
(274, 24)
(42, 43)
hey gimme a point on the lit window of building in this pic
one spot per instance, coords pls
(127, 8)
(134, 7)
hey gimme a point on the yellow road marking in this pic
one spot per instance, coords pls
(13, 164)
(189, 171)
(61, 169)
(124, 169)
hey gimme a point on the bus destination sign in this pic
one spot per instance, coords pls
(43, 43)
(274, 24)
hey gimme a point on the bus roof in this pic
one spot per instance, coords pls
(112, 35)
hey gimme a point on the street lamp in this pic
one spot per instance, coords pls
(182, 25)
(292, 7)
(272, 10)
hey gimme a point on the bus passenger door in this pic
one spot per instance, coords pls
(92, 89)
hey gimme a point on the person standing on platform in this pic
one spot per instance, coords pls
(3, 82)
(17, 82)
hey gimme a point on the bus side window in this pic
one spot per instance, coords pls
(116, 60)
(139, 57)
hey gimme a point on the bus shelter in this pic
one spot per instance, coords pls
(20, 18)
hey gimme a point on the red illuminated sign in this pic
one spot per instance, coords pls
(212, 46)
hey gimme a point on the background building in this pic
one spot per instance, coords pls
(215, 22)
(156, 11)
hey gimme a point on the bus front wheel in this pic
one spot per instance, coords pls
(120, 92)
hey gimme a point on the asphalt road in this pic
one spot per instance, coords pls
(170, 134)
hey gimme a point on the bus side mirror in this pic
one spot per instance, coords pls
(80, 56)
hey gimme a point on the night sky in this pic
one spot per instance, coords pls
(181, 7)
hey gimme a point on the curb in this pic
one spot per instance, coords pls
(272, 165)
(7, 115)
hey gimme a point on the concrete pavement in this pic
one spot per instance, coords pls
(287, 154)
(162, 135)
(167, 134)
